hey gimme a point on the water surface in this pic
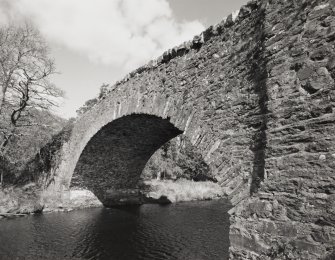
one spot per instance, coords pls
(188, 231)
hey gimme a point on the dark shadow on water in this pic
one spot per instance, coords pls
(133, 209)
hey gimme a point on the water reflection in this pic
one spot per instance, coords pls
(192, 230)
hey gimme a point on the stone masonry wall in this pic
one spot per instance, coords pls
(255, 96)
(292, 215)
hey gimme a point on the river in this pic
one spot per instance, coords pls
(189, 231)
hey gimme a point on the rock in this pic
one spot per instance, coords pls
(161, 200)
(322, 157)
(123, 197)
(197, 42)
(80, 198)
(319, 54)
(297, 51)
(244, 12)
(331, 63)
(229, 21)
(305, 73)
(21, 200)
(318, 81)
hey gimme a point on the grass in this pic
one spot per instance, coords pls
(184, 190)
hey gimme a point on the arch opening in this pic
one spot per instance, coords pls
(112, 162)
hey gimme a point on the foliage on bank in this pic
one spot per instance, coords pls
(177, 159)
(184, 190)
(25, 148)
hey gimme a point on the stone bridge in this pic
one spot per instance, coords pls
(255, 96)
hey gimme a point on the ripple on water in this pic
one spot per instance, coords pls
(188, 230)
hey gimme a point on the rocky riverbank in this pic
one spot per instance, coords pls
(17, 201)
(75, 199)
(20, 201)
(29, 199)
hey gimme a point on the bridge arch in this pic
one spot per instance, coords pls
(116, 155)
(110, 144)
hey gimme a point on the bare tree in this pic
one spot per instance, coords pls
(25, 69)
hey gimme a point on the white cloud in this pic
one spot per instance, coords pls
(122, 33)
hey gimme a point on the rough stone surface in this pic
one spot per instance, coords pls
(23, 200)
(77, 199)
(255, 96)
(291, 216)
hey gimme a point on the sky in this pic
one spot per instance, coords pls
(100, 41)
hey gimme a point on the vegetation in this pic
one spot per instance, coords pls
(177, 159)
(184, 190)
(26, 95)
(104, 89)
(178, 172)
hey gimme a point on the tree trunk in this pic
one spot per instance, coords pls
(2, 98)
(3, 95)
(2, 162)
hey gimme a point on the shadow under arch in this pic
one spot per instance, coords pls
(116, 155)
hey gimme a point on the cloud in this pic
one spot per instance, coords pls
(121, 33)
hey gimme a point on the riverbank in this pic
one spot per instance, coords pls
(20, 201)
(26, 200)
(76, 199)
